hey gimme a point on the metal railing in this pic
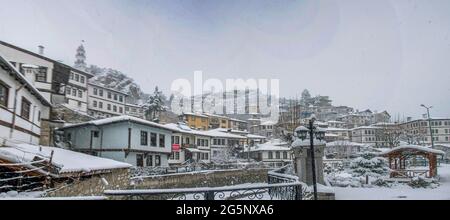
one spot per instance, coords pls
(281, 175)
(263, 191)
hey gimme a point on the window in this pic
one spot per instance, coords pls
(39, 115)
(121, 98)
(127, 109)
(153, 139)
(77, 77)
(108, 107)
(277, 155)
(157, 160)
(69, 137)
(109, 95)
(71, 76)
(95, 134)
(162, 140)
(139, 160)
(4, 94)
(270, 155)
(206, 156)
(115, 97)
(176, 139)
(25, 110)
(285, 155)
(41, 75)
(187, 140)
(177, 155)
(114, 108)
(149, 160)
(68, 91)
(100, 92)
(95, 91)
(79, 104)
(144, 138)
(82, 79)
(100, 104)
(95, 103)
(120, 110)
(80, 93)
(74, 92)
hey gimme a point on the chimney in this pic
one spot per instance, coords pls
(41, 50)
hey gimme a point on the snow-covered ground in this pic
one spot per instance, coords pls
(400, 192)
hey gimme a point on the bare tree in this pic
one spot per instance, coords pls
(388, 135)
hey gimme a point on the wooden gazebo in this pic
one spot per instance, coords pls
(399, 156)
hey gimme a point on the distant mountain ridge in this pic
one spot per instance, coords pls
(114, 79)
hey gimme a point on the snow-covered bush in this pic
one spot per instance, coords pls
(381, 183)
(421, 182)
(369, 164)
(343, 179)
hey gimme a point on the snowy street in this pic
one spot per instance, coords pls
(400, 192)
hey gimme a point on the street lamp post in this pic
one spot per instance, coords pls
(312, 131)
(429, 123)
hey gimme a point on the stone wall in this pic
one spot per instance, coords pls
(202, 179)
(93, 186)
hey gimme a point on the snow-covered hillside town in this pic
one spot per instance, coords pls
(73, 126)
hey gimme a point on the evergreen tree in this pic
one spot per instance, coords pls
(155, 105)
(368, 163)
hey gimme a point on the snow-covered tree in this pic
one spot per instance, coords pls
(154, 105)
(369, 164)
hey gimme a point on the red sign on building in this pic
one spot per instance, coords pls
(175, 147)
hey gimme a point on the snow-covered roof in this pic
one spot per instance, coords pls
(268, 123)
(30, 66)
(217, 133)
(183, 128)
(344, 143)
(269, 147)
(19, 77)
(195, 114)
(68, 161)
(194, 150)
(120, 118)
(336, 129)
(414, 148)
(254, 136)
(306, 143)
(231, 131)
(336, 122)
(366, 127)
(331, 135)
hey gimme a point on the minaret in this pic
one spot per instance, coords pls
(80, 62)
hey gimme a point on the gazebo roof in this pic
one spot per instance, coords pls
(413, 148)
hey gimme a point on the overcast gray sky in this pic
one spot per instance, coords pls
(377, 54)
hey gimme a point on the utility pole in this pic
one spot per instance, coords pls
(429, 123)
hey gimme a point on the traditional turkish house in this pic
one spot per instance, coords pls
(224, 144)
(134, 110)
(105, 102)
(59, 83)
(63, 86)
(123, 138)
(22, 106)
(277, 153)
(189, 145)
